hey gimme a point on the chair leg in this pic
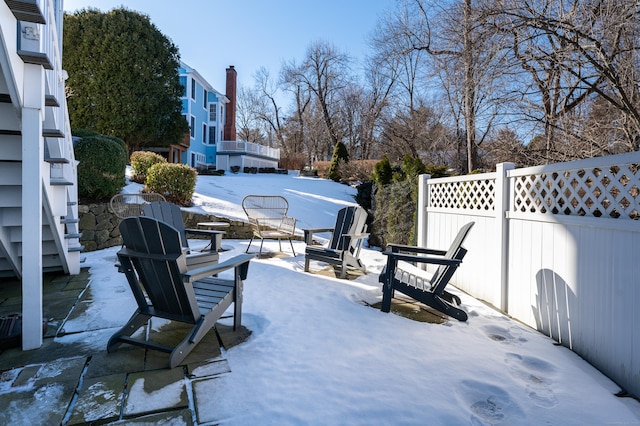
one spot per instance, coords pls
(294, 252)
(306, 264)
(136, 321)
(387, 295)
(249, 246)
(261, 243)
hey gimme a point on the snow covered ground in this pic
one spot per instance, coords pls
(319, 355)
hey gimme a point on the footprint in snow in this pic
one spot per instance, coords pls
(535, 373)
(502, 334)
(488, 404)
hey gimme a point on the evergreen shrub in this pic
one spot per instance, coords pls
(101, 167)
(340, 153)
(141, 162)
(176, 182)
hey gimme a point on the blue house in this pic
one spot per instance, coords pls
(212, 121)
(204, 109)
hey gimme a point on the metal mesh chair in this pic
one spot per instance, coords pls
(131, 205)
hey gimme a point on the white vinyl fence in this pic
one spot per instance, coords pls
(555, 246)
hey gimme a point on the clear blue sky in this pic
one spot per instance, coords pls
(249, 34)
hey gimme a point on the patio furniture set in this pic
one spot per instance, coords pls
(170, 281)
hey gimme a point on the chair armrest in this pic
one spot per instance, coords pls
(356, 236)
(423, 259)
(214, 269)
(308, 233)
(204, 232)
(396, 248)
(288, 225)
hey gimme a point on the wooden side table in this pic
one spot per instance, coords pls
(215, 242)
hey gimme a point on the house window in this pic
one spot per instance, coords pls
(183, 83)
(204, 133)
(212, 135)
(204, 99)
(193, 89)
(193, 127)
(213, 108)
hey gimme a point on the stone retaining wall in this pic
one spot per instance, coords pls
(99, 226)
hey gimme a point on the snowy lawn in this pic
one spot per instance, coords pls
(319, 355)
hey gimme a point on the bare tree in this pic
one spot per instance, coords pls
(246, 119)
(324, 72)
(572, 50)
(267, 110)
(453, 33)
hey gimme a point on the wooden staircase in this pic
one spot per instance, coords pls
(31, 54)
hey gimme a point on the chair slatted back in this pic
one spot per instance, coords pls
(350, 220)
(168, 213)
(444, 273)
(153, 262)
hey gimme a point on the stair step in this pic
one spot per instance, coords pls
(69, 236)
(75, 249)
(60, 182)
(52, 160)
(51, 101)
(63, 221)
(52, 133)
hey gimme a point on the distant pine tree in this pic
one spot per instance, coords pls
(340, 153)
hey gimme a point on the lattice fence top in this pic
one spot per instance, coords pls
(605, 191)
(463, 195)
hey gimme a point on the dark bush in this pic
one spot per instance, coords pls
(382, 172)
(120, 142)
(340, 153)
(175, 181)
(84, 133)
(101, 167)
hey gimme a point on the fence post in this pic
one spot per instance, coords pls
(423, 199)
(502, 229)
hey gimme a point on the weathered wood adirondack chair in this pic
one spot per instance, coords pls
(343, 250)
(402, 274)
(268, 218)
(171, 214)
(155, 265)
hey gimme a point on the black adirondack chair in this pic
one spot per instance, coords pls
(155, 265)
(402, 274)
(171, 214)
(343, 250)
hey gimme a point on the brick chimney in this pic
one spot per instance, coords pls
(230, 117)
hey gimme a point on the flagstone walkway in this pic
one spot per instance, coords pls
(72, 380)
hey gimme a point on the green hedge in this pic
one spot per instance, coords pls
(176, 182)
(141, 162)
(101, 167)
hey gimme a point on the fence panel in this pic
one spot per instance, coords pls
(570, 250)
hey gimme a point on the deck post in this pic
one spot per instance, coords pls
(32, 174)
